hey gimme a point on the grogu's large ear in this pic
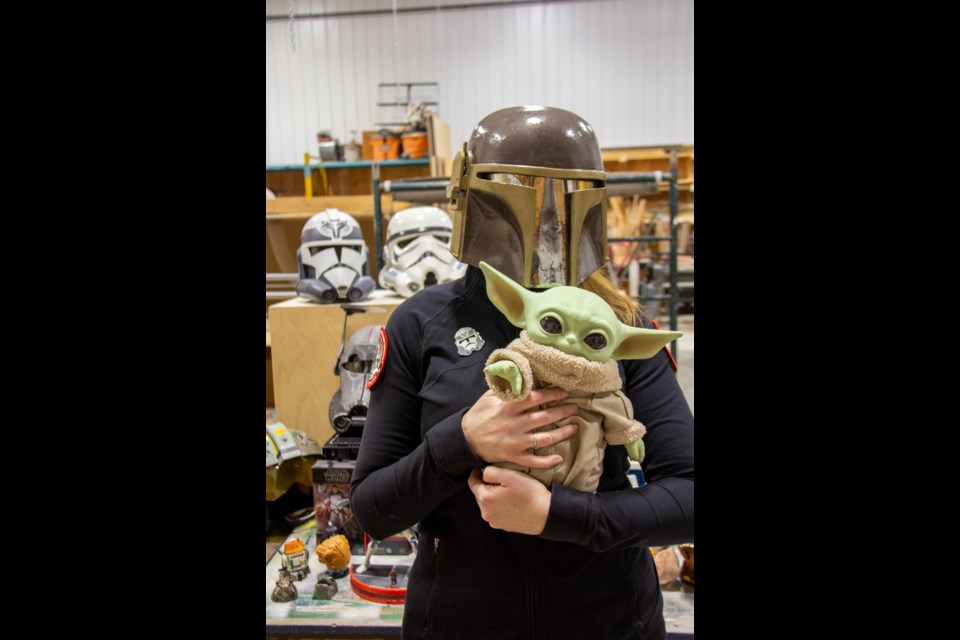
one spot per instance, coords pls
(505, 294)
(640, 344)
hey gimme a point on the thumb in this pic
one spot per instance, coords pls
(475, 480)
(496, 475)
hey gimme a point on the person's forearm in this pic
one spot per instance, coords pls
(655, 514)
(389, 494)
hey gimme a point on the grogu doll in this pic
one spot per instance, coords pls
(571, 339)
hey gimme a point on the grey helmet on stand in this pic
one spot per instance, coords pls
(348, 406)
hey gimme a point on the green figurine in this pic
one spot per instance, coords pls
(571, 340)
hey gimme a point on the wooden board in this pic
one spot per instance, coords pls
(285, 183)
(643, 153)
(650, 159)
(356, 205)
(438, 133)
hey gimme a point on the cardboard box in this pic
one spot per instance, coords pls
(331, 500)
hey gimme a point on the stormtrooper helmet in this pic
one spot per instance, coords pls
(333, 259)
(417, 253)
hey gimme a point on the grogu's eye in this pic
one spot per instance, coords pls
(595, 341)
(550, 324)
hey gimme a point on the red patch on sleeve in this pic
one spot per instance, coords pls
(669, 355)
(380, 359)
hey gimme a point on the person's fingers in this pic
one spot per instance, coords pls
(475, 481)
(496, 475)
(542, 439)
(537, 462)
(542, 396)
(547, 438)
(540, 417)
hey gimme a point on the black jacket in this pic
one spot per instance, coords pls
(589, 574)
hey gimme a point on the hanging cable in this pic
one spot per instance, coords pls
(396, 50)
(291, 12)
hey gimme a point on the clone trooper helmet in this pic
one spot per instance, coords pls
(417, 253)
(332, 259)
(348, 407)
(528, 193)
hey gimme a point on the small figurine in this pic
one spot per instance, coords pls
(295, 559)
(335, 511)
(400, 544)
(371, 547)
(325, 588)
(334, 553)
(393, 577)
(285, 591)
(570, 340)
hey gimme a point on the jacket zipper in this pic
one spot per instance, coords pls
(436, 581)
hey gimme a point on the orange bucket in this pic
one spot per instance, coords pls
(386, 146)
(414, 144)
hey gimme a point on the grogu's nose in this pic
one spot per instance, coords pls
(571, 339)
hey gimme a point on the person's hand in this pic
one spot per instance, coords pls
(510, 500)
(498, 431)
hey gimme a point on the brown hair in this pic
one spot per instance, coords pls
(628, 310)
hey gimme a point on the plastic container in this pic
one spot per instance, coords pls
(386, 146)
(414, 144)
(351, 152)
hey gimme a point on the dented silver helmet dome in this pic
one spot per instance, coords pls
(348, 407)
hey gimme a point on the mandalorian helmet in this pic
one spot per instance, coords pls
(529, 197)
(417, 254)
(332, 259)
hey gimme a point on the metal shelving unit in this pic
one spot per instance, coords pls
(308, 167)
(432, 190)
(400, 95)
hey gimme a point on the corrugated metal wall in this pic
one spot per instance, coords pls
(626, 66)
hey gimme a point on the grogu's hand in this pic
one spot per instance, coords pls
(636, 450)
(508, 371)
